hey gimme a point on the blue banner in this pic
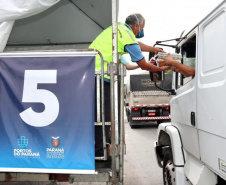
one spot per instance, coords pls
(47, 114)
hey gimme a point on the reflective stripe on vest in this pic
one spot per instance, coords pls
(127, 31)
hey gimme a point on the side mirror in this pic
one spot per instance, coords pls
(177, 49)
(158, 75)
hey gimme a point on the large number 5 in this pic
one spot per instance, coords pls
(32, 94)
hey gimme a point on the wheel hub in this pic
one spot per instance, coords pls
(169, 173)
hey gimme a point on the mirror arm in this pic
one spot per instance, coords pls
(172, 46)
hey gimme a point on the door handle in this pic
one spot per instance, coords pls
(193, 118)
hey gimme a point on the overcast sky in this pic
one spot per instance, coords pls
(166, 19)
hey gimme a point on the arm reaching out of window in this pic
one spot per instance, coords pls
(178, 67)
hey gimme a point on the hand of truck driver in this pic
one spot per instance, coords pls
(177, 66)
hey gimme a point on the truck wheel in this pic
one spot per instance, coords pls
(133, 126)
(130, 121)
(169, 173)
(127, 114)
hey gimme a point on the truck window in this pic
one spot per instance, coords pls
(188, 50)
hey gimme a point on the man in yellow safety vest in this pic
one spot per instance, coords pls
(127, 43)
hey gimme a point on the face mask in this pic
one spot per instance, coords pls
(140, 34)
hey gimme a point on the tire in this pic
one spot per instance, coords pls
(132, 126)
(127, 114)
(131, 121)
(168, 172)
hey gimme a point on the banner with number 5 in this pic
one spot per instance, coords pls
(47, 112)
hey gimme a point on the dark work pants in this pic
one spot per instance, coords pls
(98, 129)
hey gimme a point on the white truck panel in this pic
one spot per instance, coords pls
(185, 98)
(191, 144)
(181, 107)
(212, 73)
(213, 152)
(211, 91)
(201, 175)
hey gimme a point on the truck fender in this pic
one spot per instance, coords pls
(170, 144)
(169, 136)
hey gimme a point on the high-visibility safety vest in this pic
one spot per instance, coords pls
(103, 43)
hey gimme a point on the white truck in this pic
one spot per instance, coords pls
(191, 148)
(145, 103)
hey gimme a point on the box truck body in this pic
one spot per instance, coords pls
(145, 103)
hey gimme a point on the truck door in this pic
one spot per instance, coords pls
(211, 89)
(183, 105)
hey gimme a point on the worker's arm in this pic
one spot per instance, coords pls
(150, 67)
(130, 66)
(137, 56)
(148, 48)
(181, 68)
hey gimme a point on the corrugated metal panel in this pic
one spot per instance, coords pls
(150, 93)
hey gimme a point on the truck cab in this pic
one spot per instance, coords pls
(190, 147)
